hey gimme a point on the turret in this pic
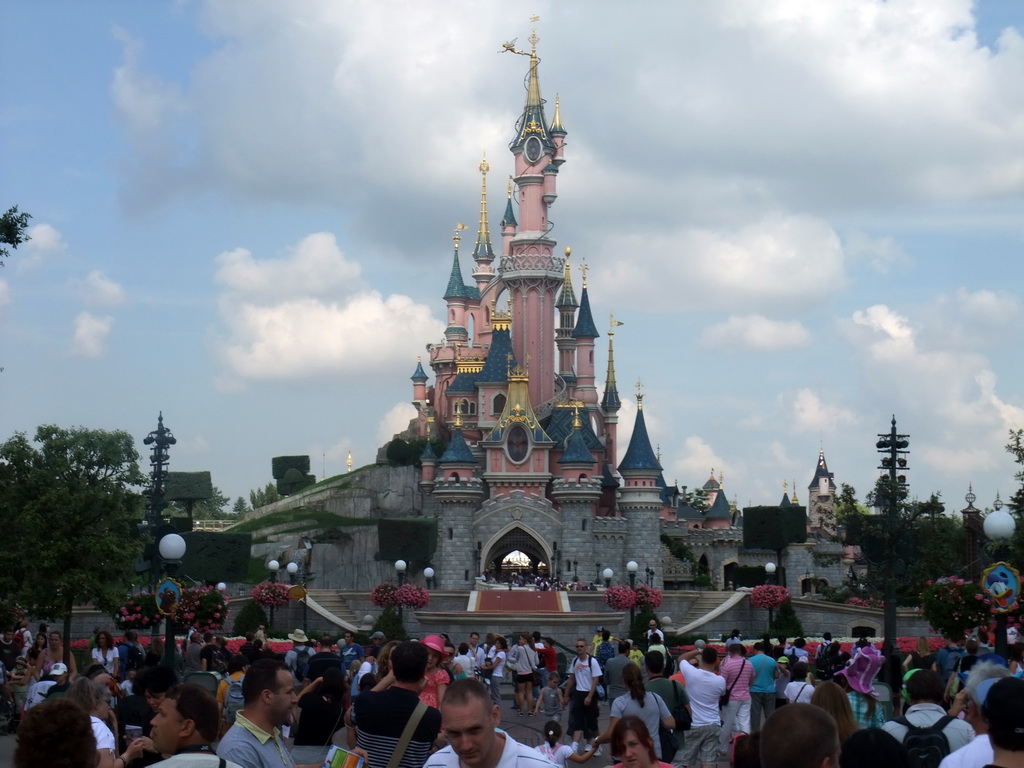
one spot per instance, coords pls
(558, 132)
(610, 402)
(419, 385)
(576, 462)
(584, 333)
(483, 252)
(458, 295)
(566, 306)
(508, 224)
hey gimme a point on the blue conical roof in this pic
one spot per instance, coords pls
(499, 358)
(428, 453)
(576, 450)
(458, 452)
(419, 374)
(585, 328)
(639, 454)
(509, 219)
(457, 288)
(720, 510)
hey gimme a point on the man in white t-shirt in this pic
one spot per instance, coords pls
(705, 689)
(977, 753)
(471, 723)
(584, 677)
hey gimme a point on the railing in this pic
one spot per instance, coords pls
(213, 525)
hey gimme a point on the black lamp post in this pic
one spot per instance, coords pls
(650, 576)
(631, 568)
(400, 566)
(273, 566)
(172, 549)
(893, 447)
(428, 575)
(769, 570)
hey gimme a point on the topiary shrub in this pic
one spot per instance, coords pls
(786, 622)
(249, 618)
(390, 625)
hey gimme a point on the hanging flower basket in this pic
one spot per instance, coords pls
(620, 598)
(270, 594)
(383, 595)
(769, 596)
(204, 608)
(411, 596)
(648, 597)
(953, 606)
(138, 612)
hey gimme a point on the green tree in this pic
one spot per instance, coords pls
(240, 507)
(1015, 503)
(70, 510)
(13, 224)
(263, 496)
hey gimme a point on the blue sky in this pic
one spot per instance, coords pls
(809, 217)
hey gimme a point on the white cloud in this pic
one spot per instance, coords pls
(294, 332)
(697, 459)
(44, 243)
(90, 335)
(777, 263)
(99, 290)
(5, 294)
(971, 320)
(395, 421)
(811, 414)
(754, 332)
(880, 253)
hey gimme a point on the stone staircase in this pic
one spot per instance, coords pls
(332, 601)
(705, 603)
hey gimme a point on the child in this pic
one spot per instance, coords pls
(557, 753)
(635, 654)
(550, 701)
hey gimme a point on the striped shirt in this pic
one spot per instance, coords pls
(380, 717)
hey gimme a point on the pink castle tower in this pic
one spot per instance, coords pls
(532, 272)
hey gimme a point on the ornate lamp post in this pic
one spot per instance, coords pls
(631, 568)
(428, 574)
(400, 566)
(292, 569)
(999, 527)
(769, 569)
(893, 449)
(273, 566)
(650, 576)
(172, 549)
(608, 573)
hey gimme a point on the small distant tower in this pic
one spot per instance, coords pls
(821, 497)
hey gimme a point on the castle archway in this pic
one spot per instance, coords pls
(516, 538)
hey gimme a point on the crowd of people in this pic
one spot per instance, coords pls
(436, 702)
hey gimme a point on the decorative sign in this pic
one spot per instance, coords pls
(1002, 582)
(168, 595)
(297, 592)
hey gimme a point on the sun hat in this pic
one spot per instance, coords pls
(861, 670)
(782, 660)
(298, 636)
(434, 643)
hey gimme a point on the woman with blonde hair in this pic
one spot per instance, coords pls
(832, 699)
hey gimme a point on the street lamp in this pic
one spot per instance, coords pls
(769, 569)
(893, 449)
(172, 548)
(428, 574)
(273, 566)
(650, 576)
(999, 527)
(400, 566)
(631, 568)
(608, 573)
(292, 569)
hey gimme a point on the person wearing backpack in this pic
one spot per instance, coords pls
(925, 730)
(229, 692)
(297, 658)
(948, 659)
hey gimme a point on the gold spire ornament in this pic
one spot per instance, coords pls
(349, 462)
(457, 238)
(583, 271)
(639, 395)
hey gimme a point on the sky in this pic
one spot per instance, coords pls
(808, 217)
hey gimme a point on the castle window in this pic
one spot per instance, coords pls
(451, 534)
(498, 404)
(584, 521)
(581, 478)
(454, 476)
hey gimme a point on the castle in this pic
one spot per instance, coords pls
(530, 463)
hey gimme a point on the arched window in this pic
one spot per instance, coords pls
(498, 404)
(455, 477)
(581, 478)
(471, 328)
